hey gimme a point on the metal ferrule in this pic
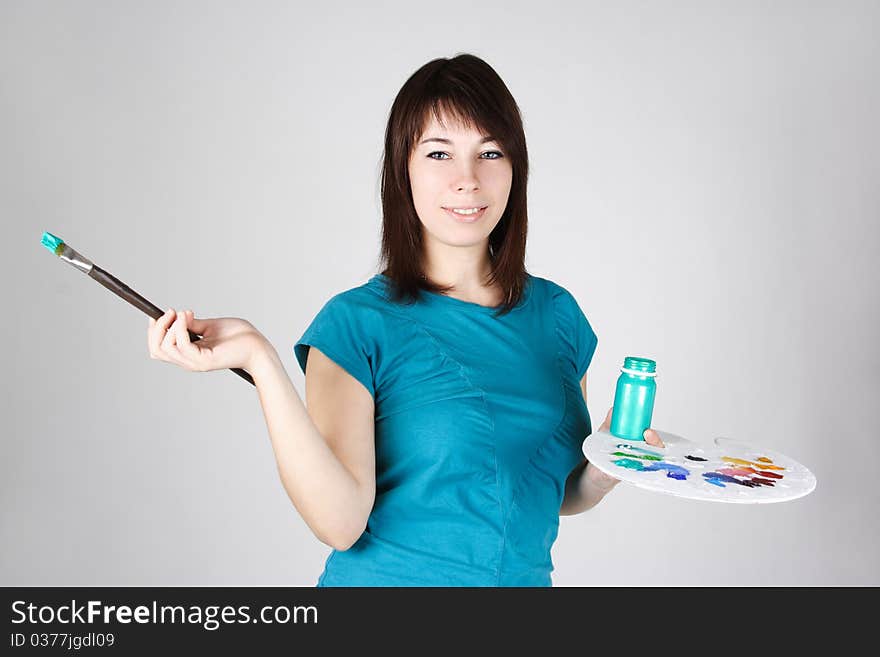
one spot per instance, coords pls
(82, 263)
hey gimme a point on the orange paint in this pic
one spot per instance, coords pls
(763, 465)
(750, 471)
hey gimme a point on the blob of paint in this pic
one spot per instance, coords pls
(718, 479)
(51, 242)
(762, 465)
(672, 471)
(646, 457)
(733, 472)
(773, 475)
(749, 472)
(638, 449)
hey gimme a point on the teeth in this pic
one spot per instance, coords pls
(471, 211)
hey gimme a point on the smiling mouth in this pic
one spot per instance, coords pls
(466, 217)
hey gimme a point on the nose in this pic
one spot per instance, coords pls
(465, 179)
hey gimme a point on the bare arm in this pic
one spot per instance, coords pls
(582, 492)
(325, 454)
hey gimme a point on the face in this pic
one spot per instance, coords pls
(462, 172)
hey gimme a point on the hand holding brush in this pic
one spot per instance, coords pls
(226, 342)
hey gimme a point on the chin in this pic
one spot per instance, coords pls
(452, 241)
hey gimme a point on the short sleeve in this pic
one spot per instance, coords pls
(577, 339)
(341, 330)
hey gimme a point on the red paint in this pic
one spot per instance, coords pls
(769, 474)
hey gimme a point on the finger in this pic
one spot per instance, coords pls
(606, 423)
(157, 332)
(197, 326)
(179, 330)
(653, 438)
(170, 338)
(171, 344)
(187, 349)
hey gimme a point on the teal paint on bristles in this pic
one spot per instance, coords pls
(53, 243)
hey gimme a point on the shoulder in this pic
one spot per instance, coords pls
(570, 316)
(555, 292)
(577, 339)
(366, 299)
(363, 313)
(349, 328)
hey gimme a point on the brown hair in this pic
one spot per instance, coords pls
(469, 91)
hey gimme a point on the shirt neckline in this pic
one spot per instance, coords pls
(441, 299)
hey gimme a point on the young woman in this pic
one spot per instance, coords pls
(447, 394)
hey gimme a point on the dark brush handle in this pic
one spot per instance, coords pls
(119, 288)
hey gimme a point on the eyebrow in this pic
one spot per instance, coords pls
(447, 141)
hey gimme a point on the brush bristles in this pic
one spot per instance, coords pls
(53, 243)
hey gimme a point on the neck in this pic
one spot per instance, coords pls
(466, 268)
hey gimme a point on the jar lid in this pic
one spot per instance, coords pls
(637, 372)
(639, 366)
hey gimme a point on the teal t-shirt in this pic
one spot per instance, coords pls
(479, 421)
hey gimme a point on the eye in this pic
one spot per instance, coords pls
(498, 155)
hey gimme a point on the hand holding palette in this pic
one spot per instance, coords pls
(729, 471)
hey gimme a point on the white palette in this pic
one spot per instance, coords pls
(733, 471)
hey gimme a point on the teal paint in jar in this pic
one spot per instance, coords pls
(634, 398)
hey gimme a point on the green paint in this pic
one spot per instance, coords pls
(638, 456)
(54, 244)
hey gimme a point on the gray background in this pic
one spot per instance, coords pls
(704, 181)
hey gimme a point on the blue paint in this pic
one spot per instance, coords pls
(717, 478)
(713, 480)
(672, 471)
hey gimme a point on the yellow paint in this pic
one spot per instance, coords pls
(762, 466)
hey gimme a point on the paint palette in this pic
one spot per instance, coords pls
(729, 471)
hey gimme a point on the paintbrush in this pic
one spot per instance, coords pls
(117, 287)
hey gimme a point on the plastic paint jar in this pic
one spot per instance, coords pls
(634, 398)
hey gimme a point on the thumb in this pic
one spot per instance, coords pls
(196, 325)
(606, 425)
